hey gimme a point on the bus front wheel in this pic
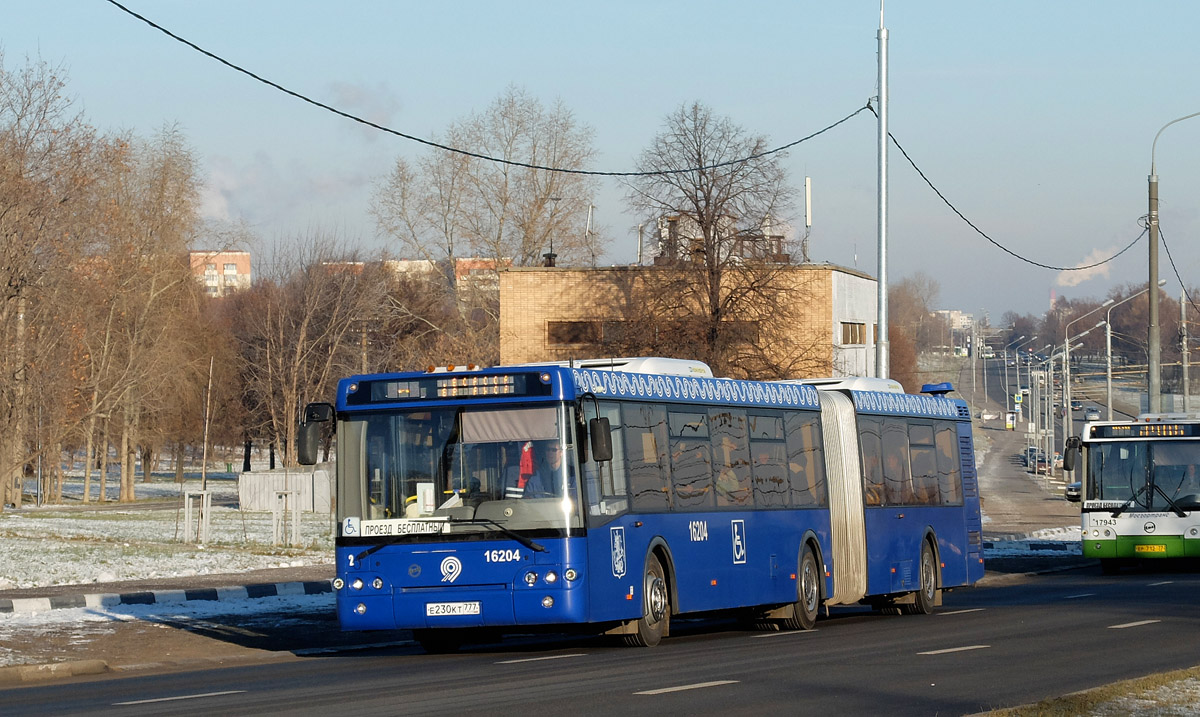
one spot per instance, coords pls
(808, 594)
(656, 607)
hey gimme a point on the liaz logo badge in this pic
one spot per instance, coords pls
(616, 538)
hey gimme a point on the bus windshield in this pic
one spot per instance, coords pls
(513, 467)
(1150, 475)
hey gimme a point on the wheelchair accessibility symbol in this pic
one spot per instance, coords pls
(739, 541)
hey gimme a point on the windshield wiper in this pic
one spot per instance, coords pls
(537, 547)
(1125, 506)
(1175, 508)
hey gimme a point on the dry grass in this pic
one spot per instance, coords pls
(1167, 693)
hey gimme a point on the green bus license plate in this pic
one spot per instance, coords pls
(1149, 548)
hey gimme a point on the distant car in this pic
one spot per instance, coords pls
(1029, 455)
(1076, 405)
(1092, 414)
(1073, 491)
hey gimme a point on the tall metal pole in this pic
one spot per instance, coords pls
(1108, 363)
(882, 360)
(1183, 347)
(1154, 351)
(1154, 341)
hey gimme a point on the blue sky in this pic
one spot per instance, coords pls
(1034, 118)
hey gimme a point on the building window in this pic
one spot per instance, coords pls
(854, 333)
(560, 333)
(231, 268)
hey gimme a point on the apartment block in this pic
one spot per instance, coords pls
(221, 272)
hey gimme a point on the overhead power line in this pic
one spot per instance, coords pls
(456, 150)
(997, 244)
(1175, 269)
(527, 165)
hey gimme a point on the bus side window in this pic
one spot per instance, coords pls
(768, 456)
(949, 467)
(897, 482)
(870, 441)
(607, 483)
(923, 462)
(806, 459)
(644, 436)
(691, 461)
(731, 456)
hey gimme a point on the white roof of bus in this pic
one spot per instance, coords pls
(638, 364)
(852, 383)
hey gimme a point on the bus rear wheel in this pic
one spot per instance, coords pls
(808, 594)
(926, 596)
(656, 607)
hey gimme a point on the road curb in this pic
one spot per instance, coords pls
(158, 597)
(25, 674)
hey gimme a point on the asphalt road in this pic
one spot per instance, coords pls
(986, 647)
(1013, 639)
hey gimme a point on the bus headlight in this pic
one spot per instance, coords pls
(530, 578)
(377, 583)
(571, 575)
(1192, 532)
(547, 602)
(338, 583)
(551, 577)
(1095, 532)
(360, 608)
(357, 584)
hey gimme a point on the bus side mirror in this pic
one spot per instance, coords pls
(308, 436)
(600, 433)
(1070, 453)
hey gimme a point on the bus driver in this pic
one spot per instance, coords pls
(536, 474)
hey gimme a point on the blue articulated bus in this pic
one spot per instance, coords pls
(613, 496)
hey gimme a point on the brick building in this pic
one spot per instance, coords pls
(221, 272)
(557, 314)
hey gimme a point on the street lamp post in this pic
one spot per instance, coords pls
(1067, 366)
(1067, 417)
(1005, 359)
(1016, 367)
(1108, 346)
(1153, 350)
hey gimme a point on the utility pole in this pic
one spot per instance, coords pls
(882, 360)
(1154, 350)
(1153, 339)
(1183, 347)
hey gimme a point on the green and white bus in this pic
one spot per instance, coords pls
(1140, 488)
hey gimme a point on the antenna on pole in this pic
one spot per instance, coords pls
(807, 219)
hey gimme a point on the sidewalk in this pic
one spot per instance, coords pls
(254, 584)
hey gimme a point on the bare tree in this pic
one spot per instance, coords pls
(298, 331)
(452, 205)
(48, 162)
(725, 284)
